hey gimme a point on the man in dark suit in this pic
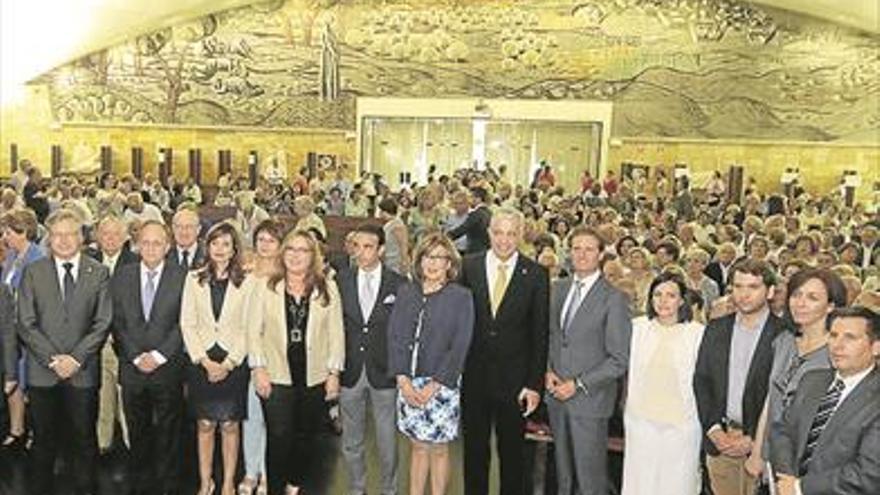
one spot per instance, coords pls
(590, 332)
(828, 441)
(368, 292)
(719, 269)
(731, 376)
(64, 314)
(476, 225)
(113, 252)
(146, 323)
(186, 250)
(504, 373)
(8, 339)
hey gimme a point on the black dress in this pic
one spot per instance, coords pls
(225, 400)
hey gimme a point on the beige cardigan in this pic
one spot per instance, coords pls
(201, 330)
(267, 334)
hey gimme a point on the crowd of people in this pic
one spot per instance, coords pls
(743, 335)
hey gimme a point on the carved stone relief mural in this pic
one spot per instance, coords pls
(680, 68)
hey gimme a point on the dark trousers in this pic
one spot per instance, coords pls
(154, 412)
(294, 415)
(479, 413)
(63, 411)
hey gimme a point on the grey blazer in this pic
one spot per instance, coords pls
(595, 350)
(49, 327)
(8, 335)
(846, 461)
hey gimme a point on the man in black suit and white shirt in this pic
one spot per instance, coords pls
(504, 372)
(476, 225)
(368, 292)
(146, 323)
(731, 376)
(828, 441)
(186, 250)
(64, 313)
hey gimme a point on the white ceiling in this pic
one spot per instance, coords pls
(37, 35)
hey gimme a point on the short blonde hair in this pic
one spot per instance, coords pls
(427, 243)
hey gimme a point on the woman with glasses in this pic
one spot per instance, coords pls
(213, 322)
(297, 350)
(812, 295)
(429, 334)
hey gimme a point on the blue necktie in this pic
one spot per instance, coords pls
(573, 306)
(148, 294)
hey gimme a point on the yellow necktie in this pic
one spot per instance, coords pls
(499, 288)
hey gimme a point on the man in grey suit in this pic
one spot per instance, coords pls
(590, 329)
(368, 292)
(64, 313)
(828, 441)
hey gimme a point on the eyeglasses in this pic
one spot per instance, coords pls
(297, 250)
(436, 257)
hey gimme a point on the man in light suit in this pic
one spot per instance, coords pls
(64, 313)
(590, 331)
(112, 252)
(368, 293)
(504, 372)
(828, 441)
(146, 325)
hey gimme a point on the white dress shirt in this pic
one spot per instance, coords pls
(60, 272)
(376, 275)
(145, 276)
(587, 284)
(492, 263)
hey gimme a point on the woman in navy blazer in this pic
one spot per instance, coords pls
(429, 335)
(19, 229)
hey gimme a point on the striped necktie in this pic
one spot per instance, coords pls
(827, 406)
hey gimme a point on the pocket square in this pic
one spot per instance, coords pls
(390, 299)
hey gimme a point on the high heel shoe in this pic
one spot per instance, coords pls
(247, 486)
(14, 443)
(208, 491)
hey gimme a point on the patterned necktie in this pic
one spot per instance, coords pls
(69, 283)
(368, 296)
(499, 288)
(572, 306)
(149, 294)
(827, 406)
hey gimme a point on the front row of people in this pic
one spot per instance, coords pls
(466, 345)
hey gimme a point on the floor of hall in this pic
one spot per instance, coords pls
(328, 471)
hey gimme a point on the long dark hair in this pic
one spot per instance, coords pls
(235, 271)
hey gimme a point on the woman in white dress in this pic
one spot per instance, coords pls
(662, 454)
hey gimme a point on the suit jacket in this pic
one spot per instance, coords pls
(476, 227)
(366, 336)
(126, 257)
(509, 350)
(268, 334)
(8, 335)
(136, 333)
(713, 270)
(595, 350)
(49, 327)
(201, 330)
(711, 375)
(195, 259)
(846, 459)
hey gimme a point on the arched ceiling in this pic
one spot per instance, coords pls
(38, 35)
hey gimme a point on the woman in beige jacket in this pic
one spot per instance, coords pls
(297, 349)
(212, 321)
